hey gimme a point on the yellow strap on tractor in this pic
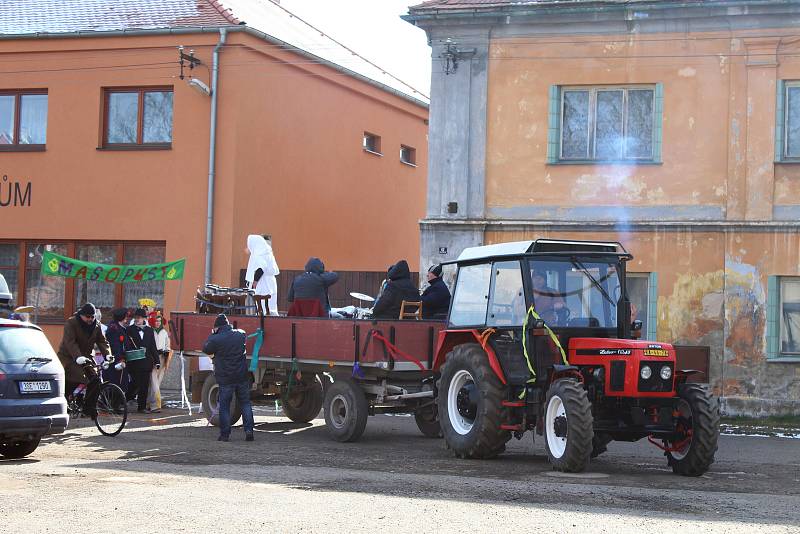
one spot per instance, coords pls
(532, 313)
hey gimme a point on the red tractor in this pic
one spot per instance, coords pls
(540, 337)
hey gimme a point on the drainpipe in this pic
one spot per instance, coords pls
(212, 153)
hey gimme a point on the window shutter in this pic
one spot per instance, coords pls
(554, 125)
(652, 307)
(657, 122)
(780, 120)
(773, 326)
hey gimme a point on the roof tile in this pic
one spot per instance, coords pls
(19, 17)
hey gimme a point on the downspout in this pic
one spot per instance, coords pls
(212, 153)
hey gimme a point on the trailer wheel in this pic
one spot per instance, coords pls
(471, 404)
(427, 420)
(304, 401)
(568, 426)
(346, 410)
(210, 402)
(698, 428)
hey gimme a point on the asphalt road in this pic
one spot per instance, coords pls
(167, 473)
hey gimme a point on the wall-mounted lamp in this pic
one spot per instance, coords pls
(200, 87)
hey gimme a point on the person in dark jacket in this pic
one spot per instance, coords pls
(81, 333)
(115, 334)
(313, 284)
(436, 297)
(140, 335)
(226, 346)
(399, 288)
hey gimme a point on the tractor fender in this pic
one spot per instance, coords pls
(448, 339)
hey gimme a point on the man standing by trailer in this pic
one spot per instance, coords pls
(226, 346)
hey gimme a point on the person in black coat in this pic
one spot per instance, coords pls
(313, 284)
(141, 336)
(399, 288)
(115, 334)
(436, 297)
(227, 345)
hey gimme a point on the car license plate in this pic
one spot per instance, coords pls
(40, 386)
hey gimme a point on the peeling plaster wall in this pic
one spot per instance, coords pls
(712, 292)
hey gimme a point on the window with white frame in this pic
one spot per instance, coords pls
(608, 124)
(408, 155)
(372, 143)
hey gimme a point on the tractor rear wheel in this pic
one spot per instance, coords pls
(568, 426)
(303, 402)
(471, 404)
(698, 429)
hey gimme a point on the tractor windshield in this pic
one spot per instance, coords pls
(576, 292)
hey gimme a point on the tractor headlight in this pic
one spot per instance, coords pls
(666, 373)
(646, 372)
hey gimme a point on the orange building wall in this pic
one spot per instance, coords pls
(289, 158)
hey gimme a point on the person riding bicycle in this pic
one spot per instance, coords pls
(81, 333)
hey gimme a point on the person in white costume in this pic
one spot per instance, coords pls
(262, 269)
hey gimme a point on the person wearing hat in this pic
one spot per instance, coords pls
(226, 346)
(81, 333)
(140, 335)
(436, 297)
(116, 331)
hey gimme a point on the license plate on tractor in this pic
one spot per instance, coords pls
(39, 386)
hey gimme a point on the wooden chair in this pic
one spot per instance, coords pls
(416, 313)
(257, 300)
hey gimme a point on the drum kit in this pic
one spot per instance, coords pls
(356, 312)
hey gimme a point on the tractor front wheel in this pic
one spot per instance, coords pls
(697, 428)
(471, 404)
(568, 426)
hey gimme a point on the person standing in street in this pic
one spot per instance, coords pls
(115, 333)
(141, 336)
(226, 346)
(163, 348)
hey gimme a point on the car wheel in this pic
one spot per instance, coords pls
(11, 450)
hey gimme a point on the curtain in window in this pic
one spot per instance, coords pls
(44, 292)
(575, 129)
(101, 294)
(7, 119)
(123, 117)
(33, 120)
(157, 117)
(138, 255)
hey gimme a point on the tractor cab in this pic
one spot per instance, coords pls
(541, 336)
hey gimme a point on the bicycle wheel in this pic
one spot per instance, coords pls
(112, 409)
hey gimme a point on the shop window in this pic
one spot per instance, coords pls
(372, 143)
(101, 295)
(643, 293)
(9, 266)
(471, 296)
(141, 255)
(23, 120)
(787, 136)
(46, 293)
(138, 118)
(57, 298)
(783, 318)
(408, 155)
(605, 124)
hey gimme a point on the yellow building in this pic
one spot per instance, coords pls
(672, 127)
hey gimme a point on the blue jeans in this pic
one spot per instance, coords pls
(242, 390)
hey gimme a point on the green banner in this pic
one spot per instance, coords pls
(58, 265)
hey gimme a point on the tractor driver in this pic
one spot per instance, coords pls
(547, 302)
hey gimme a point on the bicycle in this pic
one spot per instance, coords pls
(103, 402)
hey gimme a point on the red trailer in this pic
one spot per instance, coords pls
(376, 366)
